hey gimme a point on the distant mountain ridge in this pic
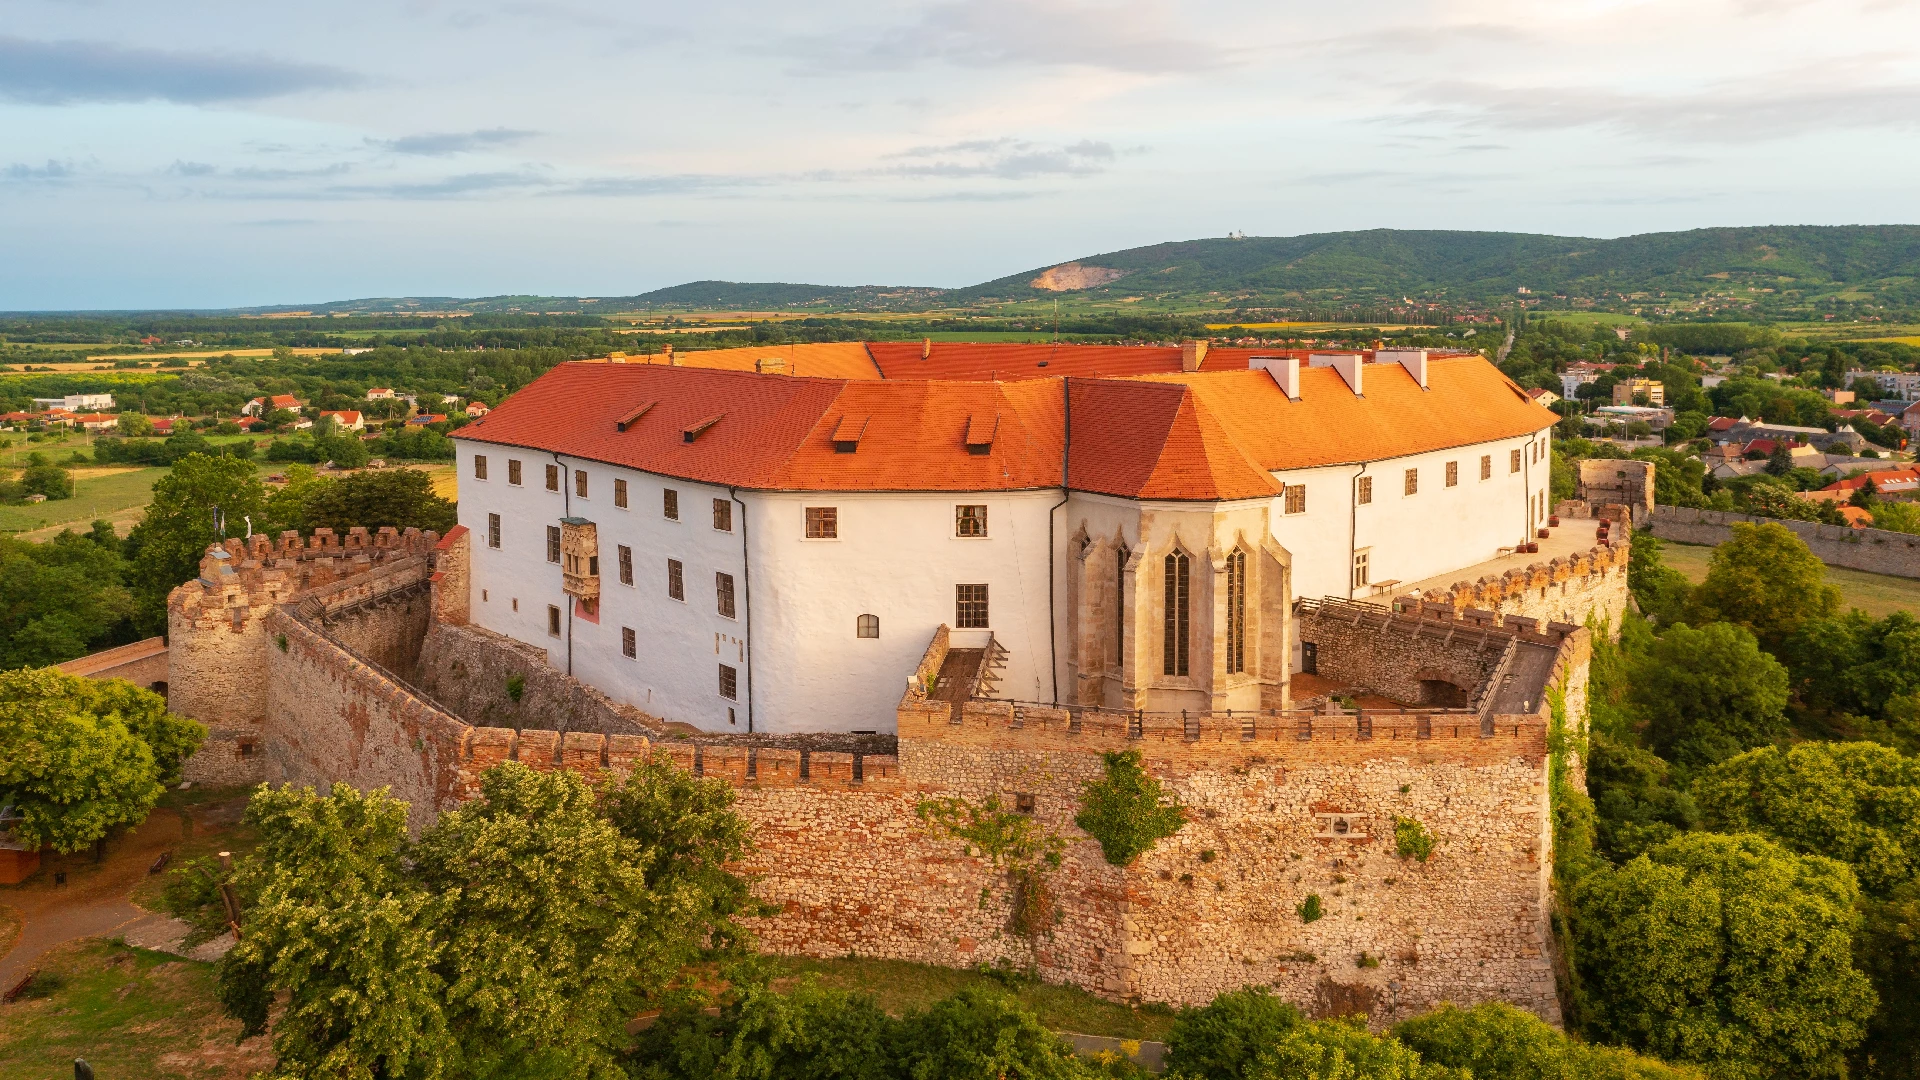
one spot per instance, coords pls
(1854, 263)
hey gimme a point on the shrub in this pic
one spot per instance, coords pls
(1412, 838)
(1127, 811)
(1309, 909)
(1499, 1042)
(1219, 1040)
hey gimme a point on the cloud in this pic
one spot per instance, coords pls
(1004, 159)
(440, 144)
(446, 187)
(51, 171)
(192, 168)
(75, 72)
(1135, 37)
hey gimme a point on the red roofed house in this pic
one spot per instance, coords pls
(769, 552)
(477, 409)
(380, 393)
(427, 418)
(346, 419)
(261, 406)
(1888, 483)
(97, 422)
(162, 425)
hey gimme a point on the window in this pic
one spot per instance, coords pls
(580, 482)
(620, 494)
(553, 478)
(970, 607)
(723, 590)
(493, 530)
(1486, 466)
(1365, 494)
(553, 543)
(969, 521)
(676, 584)
(670, 504)
(1453, 474)
(1120, 557)
(723, 515)
(626, 565)
(513, 471)
(1173, 646)
(1513, 463)
(628, 646)
(1296, 498)
(867, 626)
(729, 683)
(479, 466)
(1362, 571)
(823, 522)
(1413, 482)
(1236, 613)
(553, 620)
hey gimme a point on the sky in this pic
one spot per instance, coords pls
(200, 154)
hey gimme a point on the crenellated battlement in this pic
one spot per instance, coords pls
(258, 572)
(594, 755)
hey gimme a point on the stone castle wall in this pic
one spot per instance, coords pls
(469, 667)
(1875, 551)
(1566, 589)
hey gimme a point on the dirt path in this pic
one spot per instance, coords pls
(94, 901)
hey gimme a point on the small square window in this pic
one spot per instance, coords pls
(729, 683)
(553, 478)
(1296, 498)
(1413, 482)
(1362, 568)
(1486, 466)
(580, 483)
(629, 647)
(867, 626)
(513, 471)
(823, 522)
(1513, 462)
(493, 530)
(1453, 474)
(970, 607)
(620, 494)
(722, 515)
(553, 620)
(626, 565)
(970, 521)
(1365, 494)
(1023, 802)
(723, 591)
(676, 582)
(479, 466)
(553, 543)
(670, 504)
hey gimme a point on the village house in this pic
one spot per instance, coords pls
(745, 551)
(1636, 391)
(261, 406)
(1579, 374)
(345, 419)
(380, 393)
(1895, 384)
(77, 402)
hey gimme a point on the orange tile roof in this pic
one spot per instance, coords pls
(1467, 401)
(826, 360)
(1009, 361)
(1209, 436)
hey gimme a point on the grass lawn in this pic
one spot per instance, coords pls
(131, 1013)
(1879, 595)
(899, 986)
(119, 494)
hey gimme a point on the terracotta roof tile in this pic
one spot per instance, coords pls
(825, 360)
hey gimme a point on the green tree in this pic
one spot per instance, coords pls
(1661, 591)
(1856, 802)
(180, 522)
(1499, 1042)
(1127, 810)
(60, 598)
(1855, 666)
(79, 757)
(1342, 1050)
(1896, 517)
(806, 1034)
(1888, 950)
(1728, 952)
(1221, 1039)
(984, 1033)
(50, 480)
(1636, 805)
(134, 424)
(1708, 694)
(1767, 580)
(402, 498)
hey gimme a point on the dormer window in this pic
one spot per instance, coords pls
(846, 434)
(980, 431)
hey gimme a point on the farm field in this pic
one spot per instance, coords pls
(119, 494)
(1879, 595)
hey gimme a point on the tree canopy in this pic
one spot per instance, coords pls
(1764, 579)
(179, 524)
(1708, 694)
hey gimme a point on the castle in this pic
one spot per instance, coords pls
(366, 659)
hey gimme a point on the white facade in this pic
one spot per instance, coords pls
(77, 402)
(897, 556)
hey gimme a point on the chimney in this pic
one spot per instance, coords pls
(1414, 360)
(1285, 371)
(672, 361)
(1191, 354)
(770, 365)
(926, 348)
(1347, 364)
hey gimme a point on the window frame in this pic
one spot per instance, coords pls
(1176, 632)
(1237, 612)
(553, 544)
(676, 580)
(724, 595)
(670, 504)
(626, 564)
(1453, 474)
(479, 466)
(553, 620)
(1486, 466)
(729, 687)
(493, 531)
(1363, 493)
(1411, 484)
(513, 473)
(629, 643)
(1296, 499)
(579, 483)
(966, 604)
(553, 477)
(964, 519)
(865, 622)
(620, 493)
(723, 515)
(1513, 461)
(820, 523)
(1362, 569)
